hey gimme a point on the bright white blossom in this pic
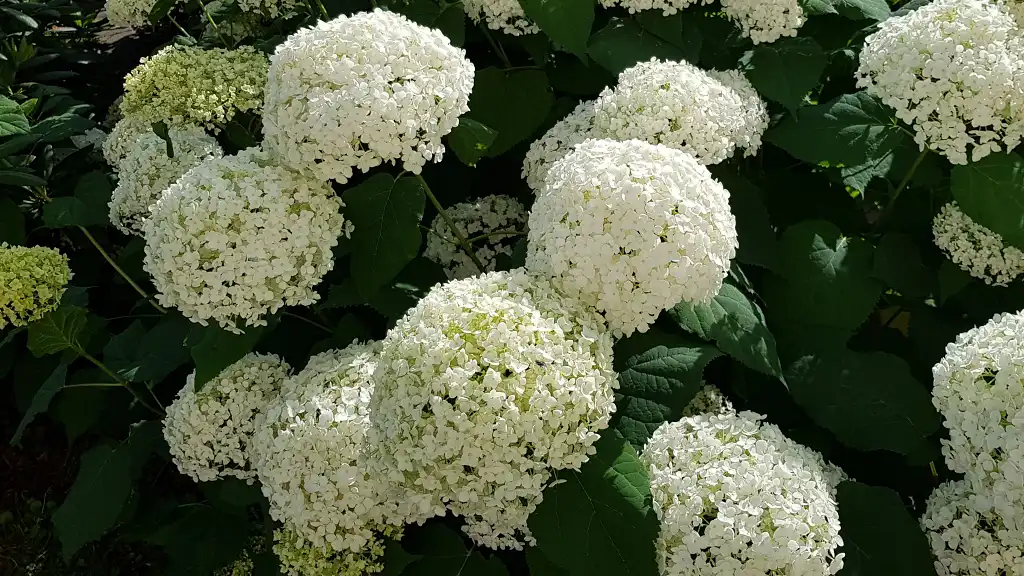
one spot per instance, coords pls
(237, 238)
(146, 171)
(979, 390)
(356, 91)
(976, 249)
(121, 140)
(129, 13)
(188, 85)
(209, 431)
(307, 454)
(92, 137)
(706, 113)
(484, 388)
(299, 558)
(574, 129)
(952, 69)
(32, 282)
(505, 15)
(488, 215)
(736, 498)
(631, 229)
(969, 537)
(709, 400)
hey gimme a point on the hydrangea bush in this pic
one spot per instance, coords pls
(644, 287)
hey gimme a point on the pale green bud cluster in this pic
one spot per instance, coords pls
(299, 557)
(32, 280)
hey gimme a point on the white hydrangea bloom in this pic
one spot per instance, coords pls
(977, 250)
(237, 237)
(765, 20)
(488, 215)
(360, 90)
(121, 140)
(952, 69)
(298, 557)
(709, 400)
(706, 113)
(631, 229)
(146, 171)
(484, 388)
(736, 497)
(92, 137)
(574, 129)
(979, 390)
(505, 15)
(668, 7)
(969, 537)
(129, 13)
(307, 454)
(209, 431)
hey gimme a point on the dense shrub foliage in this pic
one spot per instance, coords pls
(509, 287)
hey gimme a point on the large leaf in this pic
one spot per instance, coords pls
(898, 263)
(217, 349)
(41, 400)
(57, 128)
(991, 192)
(441, 551)
(659, 373)
(57, 331)
(869, 400)
(599, 521)
(852, 9)
(471, 140)
(880, 537)
(513, 103)
(201, 539)
(566, 22)
(684, 30)
(12, 119)
(785, 70)
(88, 207)
(623, 42)
(141, 355)
(12, 222)
(759, 245)
(736, 325)
(386, 214)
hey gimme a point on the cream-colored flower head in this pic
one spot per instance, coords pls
(32, 281)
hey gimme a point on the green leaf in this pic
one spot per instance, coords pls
(471, 140)
(80, 408)
(104, 483)
(869, 400)
(541, 566)
(122, 349)
(344, 295)
(41, 400)
(513, 103)
(853, 9)
(20, 178)
(12, 119)
(160, 10)
(599, 520)
(452, 23)
(880, 537)
(682, 30)
(12, 222)
(443, 553)
(411, 284)
(759, 246)
(217, 349)
(57, 128)
(16, 144)
(898, 263)
(141, 355)
(951, 280)
(991, 192)
(786, 70)
(624, 42)
(238, 135)
(659, 373)
(386, 214)
(200, 539)
(88, 207)
(396, 558)
(566, 22)
(736, 325)
(57, 331)
(21, 17)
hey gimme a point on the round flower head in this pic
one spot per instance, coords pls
(505, 15)
(706, 113)
(307, 454)
(574, 129)
(147, 171)
(736, 497)
(491, 215)
(236, 238)
(484, 388)
(709, 400)
(299, 558)
(979, 390)
(209, 431)
(188, 85)
(976, 249)
(360, 90)
(32, 281)
(969, 537)
(129, 13)
(765, 20)
(952, 69)
(631, 229)
(121, 140)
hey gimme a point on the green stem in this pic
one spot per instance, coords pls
(120, 271)
(178, 26)
(216, 28)
(95, 385)
(436, 233)
(495, 46)
(459, 236)
(323, 11)
(308, 321)
(497, 233)
(121, 382)
(899, 188)
(521, 68)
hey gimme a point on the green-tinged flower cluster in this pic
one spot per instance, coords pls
(300, 558)
(187, 85)
(32, 280)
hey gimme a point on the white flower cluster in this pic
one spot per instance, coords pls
(486, 218)
(706, 113)
(298, 558)
(236, 238)
(970, 536)
(709, 400)
(1016, 9)
(146, 171)
(209, 431)
(631, 229)
(505, 15)
(736, 497)
(977, 250)
(574, 129)
(121, 140)
(360, 90)
(761, 20)
(129, 13)
(952, 69)
(307, 454)
(484, 388)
